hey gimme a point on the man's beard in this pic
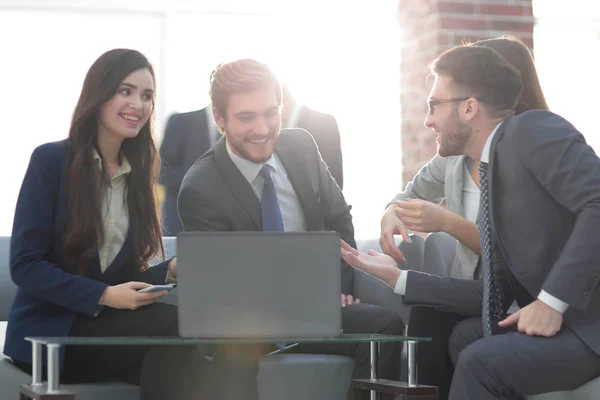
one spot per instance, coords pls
(240, 149)
(454, 141)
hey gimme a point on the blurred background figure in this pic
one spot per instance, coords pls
(187, 136)
(322, 127)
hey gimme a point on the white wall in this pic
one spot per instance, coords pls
(42, 69)
(567, 55)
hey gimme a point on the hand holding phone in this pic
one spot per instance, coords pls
(157, 288)
(127, 296)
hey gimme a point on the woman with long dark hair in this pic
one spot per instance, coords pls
(85, 227)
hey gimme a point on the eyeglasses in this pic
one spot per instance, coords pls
(433, 103)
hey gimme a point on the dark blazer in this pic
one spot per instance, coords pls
(186, 138)
(215, 196)
(49, 294)
(324, 128)
(545, 208)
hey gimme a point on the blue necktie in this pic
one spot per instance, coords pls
(272, 221)
(492, 295)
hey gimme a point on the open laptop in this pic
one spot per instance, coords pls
(259, 284)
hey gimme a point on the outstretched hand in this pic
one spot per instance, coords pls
(373, 263)
(391, 225)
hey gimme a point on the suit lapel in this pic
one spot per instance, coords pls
(95, 270)
(304, 179)
(237, 184)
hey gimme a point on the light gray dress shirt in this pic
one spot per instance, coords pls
(291, 209)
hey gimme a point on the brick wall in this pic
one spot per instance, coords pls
(429, 27)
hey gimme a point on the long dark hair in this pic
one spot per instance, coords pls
(517, 53)
(86, 181)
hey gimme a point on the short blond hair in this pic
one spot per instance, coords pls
(240, 76)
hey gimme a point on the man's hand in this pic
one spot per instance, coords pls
(536, 319)
(392, 225)
(422, 216)
(347, 300)
(373, 263)
(126, 296)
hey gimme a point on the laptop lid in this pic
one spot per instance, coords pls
(259, 284)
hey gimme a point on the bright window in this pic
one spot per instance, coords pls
(337, 57)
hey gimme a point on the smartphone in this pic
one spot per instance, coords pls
(158, 288)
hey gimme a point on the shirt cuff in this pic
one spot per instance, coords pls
(553, 302)
(401, 284)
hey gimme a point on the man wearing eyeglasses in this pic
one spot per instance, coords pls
(538, 226)
(452, 180)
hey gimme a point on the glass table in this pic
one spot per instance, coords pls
(38, 390)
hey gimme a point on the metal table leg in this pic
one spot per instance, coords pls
(412, 363)
(37, 390)
(374, 364)
(406, 390)
(36, 364)
(53, 368)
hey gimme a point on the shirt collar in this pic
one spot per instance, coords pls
(485, 153)
(124, 169)
(248, 168)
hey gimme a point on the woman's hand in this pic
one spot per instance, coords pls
(126, 296)
(422, 216)
(373, 263)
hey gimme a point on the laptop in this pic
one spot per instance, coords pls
(259, 284)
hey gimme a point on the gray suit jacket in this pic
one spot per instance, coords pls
(545, 215)
(443, 178)
(215, 196)
(324, 128)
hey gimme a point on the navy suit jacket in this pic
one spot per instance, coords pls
(186, 138)
(50, 295)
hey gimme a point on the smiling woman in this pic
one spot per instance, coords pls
(85, 228)
(124, 115)
(59, 83)
(116, 140)
(137, 97)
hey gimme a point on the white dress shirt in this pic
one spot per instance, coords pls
(544, 296)
(291, 209)
(471, 194)
(115, 215)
